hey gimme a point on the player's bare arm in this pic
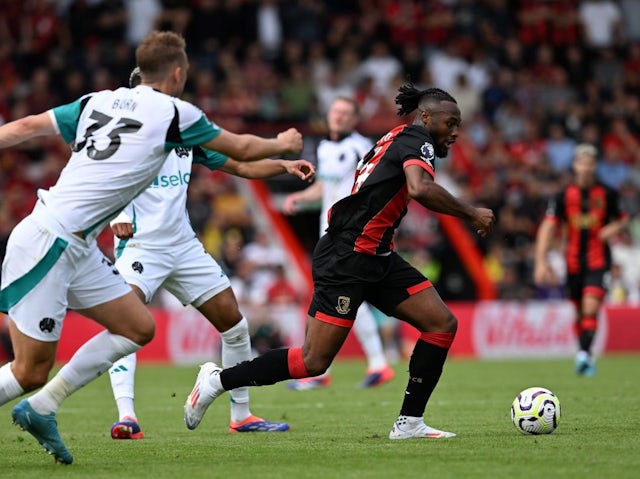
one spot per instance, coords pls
(122, 226)
(24, 129)
(543, 274)
(267, 168)
(612, 229)
(309, 195)
(431, 195)
(247, 147)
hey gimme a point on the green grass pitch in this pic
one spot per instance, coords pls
(342, 431)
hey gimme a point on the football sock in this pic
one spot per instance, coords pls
(236, 348)
(92, 359)
(366, 330)
(272, 367)
(425, 368)
(122, 375)
(125, 408)
(9, 386)
(586, 332)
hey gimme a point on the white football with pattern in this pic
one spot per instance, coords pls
(536, 410)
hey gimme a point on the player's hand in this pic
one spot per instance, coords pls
(543, 275)
(301, 168)
(290, 204)
(291, 140)
(122, 230)
(483, 221)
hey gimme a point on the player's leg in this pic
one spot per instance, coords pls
(426, 311)
(122, 377)
(592, 295)
(36, 273)
(37, 413)
(322, 342)
(378, 370)
(144, 271)
(122, 337)
(575, 287)
(222, 311)
(410, 297)
(33, 361)
(98, 292)
(69, 273)
(311, 382)
(389, 334)
(35, 300)
(30, 367)
(199, 280)
(366, 329)
(325, 333)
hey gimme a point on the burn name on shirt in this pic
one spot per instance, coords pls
(124, 104)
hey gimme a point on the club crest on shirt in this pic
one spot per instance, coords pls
(182, 151)
(137, 266)
(47, 325)
(343, 304)
(427, 153)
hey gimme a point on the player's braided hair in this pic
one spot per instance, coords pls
(410, 97)
(134, 77)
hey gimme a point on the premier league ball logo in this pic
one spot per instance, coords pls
(427, 153)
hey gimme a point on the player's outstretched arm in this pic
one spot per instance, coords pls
(543, 274)
(310, 194)
(612, 229)
(267, 168)
(248, 147)
(19, 131)
(122, 226)
(429, 194)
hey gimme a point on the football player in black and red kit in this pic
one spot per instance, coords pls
(355, 262)
(592, 216)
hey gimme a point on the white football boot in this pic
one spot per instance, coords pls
(207, 388)
(408, 427)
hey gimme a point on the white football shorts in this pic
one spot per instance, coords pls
(47, 270)
(186, 270)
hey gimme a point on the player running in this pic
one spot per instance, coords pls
(157, 247)
(592, 215)
(355, 262)
(120, 141)
(338, 156)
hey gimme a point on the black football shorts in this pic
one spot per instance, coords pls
(586, 282)
(343, 279)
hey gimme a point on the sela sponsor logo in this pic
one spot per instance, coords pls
(47, 325)
(532, 329)
(171, 181)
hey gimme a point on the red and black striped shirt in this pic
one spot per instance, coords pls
(585, 212)
(367, 219)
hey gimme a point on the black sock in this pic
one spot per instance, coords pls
(425, 368)
(586, 332)
(586, 339)
(270, 368)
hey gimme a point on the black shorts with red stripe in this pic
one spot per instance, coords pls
(587, 282)
(343, 279)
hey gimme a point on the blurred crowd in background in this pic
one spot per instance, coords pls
(532, 79)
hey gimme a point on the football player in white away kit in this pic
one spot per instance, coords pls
(338, 155)
(120, 140)
(156, 246)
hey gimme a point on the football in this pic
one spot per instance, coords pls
(536, 411)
